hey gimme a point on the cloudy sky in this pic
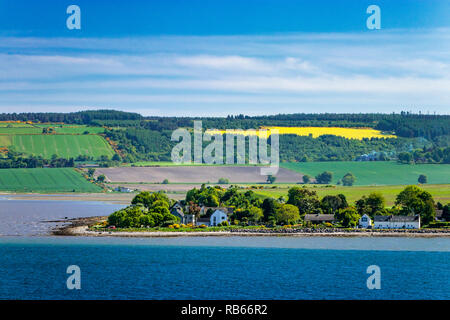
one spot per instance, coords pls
(214, 57)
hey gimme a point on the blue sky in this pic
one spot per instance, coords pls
(216, 58)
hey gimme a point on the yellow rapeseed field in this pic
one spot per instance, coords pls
(350, 133)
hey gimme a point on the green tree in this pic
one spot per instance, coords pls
(446, 212)
(306, 178)
(422, 179)
(271, 179)
(91, 172)
(349, 179)
(165, 181)
(304, 199)
(405, 157)
(414, 200)
(269, 207)
(252, 213)
(331, 204)
(147, 199)
(116, 157)
(324, 177)
(101, 178)
(349, 217)
(223, 181)
(373, 204)
(287, 214)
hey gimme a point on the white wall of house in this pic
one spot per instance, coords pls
(217, 217)
(396, 225)
(365, 221)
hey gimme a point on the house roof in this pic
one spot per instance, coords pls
(226, 210)
(319, 217)
(392, 218)
(439, 213)
(177, 211)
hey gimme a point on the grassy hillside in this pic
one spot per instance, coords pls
(64, 146)
(375, 172)
(44, 180)
(440, 192)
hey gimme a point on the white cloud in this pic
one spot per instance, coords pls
(405, 67)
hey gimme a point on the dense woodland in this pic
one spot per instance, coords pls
(422, 138)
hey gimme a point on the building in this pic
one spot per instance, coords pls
(365, 222)
(123, 189)
(396, 222)
(177, 211)
(218, 217)
(319, 218)
(200, 221)
(439, 214)
(212, 216)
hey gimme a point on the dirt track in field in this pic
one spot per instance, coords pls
(193, 174)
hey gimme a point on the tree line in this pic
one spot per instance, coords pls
(152, 209)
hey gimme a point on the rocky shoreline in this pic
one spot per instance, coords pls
(80, 227)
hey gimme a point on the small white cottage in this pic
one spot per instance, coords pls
(217, 217)
(365, 221)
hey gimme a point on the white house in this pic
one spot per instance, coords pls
(217, 217)
(365, 221)
(123, 189)
(396, 222)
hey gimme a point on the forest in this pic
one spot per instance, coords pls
(421, 138)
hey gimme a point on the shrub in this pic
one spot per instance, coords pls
(223, 181)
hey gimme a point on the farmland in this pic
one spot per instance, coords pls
(45, 180)
(20, 130)
(66, 141)
(65, 146)
(439, 192)
(194, 174)
(375, 172)
(350, 133)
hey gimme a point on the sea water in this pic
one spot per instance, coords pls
(224, 268)
(34, 265)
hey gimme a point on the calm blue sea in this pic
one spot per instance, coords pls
(224, 268)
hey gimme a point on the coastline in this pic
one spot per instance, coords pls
(80, 227)
(116, 198)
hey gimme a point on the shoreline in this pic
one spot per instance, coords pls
(79, 227)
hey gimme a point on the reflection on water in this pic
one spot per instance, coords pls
(27, 217)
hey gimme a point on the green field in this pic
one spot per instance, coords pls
(63, 129)
(65, 146)
(20, 130)
(5, 140)
(79, 129)
(45, 180)
(440, 192)
(375, 172)
(12, 124)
